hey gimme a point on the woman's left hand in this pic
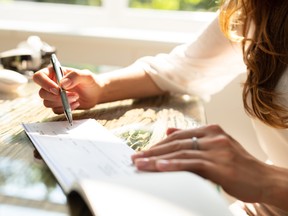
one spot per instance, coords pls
(213, 155)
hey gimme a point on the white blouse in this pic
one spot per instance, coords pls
(203, 68)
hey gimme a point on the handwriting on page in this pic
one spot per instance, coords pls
(84, 150)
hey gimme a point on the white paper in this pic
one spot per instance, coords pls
(100, 163)
(85, 150)
(158, 193)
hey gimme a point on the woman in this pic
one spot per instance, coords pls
(248, 36)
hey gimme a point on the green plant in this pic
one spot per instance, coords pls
(183, 5)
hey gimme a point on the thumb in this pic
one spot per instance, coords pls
(75, 77)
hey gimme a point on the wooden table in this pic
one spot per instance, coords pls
(27, 187)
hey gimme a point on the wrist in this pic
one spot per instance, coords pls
(275, 191)
(103, 82)
(126, 83)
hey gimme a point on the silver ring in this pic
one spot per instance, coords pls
(195, 143)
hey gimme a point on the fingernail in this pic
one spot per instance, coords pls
(73, 98)
(66, 82)
(142, 162)
(75, 105)
(54, 91)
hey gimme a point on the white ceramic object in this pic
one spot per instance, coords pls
(11, 80)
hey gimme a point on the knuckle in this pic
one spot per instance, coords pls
(85, 73)
(72, 74)
(230, 156)
(150, 153)
(215, 128)
(184, 154)
(176, 145)
(223, 139)
(46, 103)
(175, 135)
(41, 93)
(177, 165)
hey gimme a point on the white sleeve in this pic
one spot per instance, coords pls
(201, 68)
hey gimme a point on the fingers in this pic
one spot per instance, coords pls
(206, 137)
(218, 157)
(173, 146)
(194, 161)
(202, 167)
(76, 77)
(150, 163)
(204, 131)
(198, 166)
(54, 101)
(177, 134)
(46, 79)
(206, 142)
(72, 77)
(49, 91)
(60, 109)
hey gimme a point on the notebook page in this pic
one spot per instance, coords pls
(85, 150)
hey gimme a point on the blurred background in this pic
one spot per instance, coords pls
(96, 32)
(185, 5)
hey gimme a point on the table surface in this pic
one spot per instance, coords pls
(27, 186)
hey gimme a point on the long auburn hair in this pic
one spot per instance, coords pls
(262, 27)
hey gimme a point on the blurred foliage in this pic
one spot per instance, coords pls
(137, 139)
(183, 5)
(79, 2)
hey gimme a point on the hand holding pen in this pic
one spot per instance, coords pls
(59, 75)
(84, 89)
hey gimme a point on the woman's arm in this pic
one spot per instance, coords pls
(85, 89)
(202, 68)
(276, 192)
(129, 82)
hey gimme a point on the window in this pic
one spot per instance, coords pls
(111, 32)
(181, 5)
(78, 2)
(128, 14)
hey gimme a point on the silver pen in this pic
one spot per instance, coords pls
(59, 75)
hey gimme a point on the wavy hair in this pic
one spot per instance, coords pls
(262, 27)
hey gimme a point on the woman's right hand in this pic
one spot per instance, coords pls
(82, 88)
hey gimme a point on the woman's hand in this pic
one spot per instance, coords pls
(83, 90)
(214, 155)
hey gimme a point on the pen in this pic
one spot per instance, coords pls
(59, 74)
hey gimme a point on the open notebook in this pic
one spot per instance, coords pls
(94, 169)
